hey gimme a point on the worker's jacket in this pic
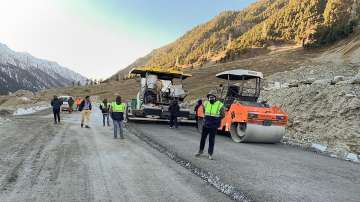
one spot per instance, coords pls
(117, 111)
(56, 104)
(174, 110)
(78, 101)
(82, 105)
(213, 114)
(71, 102)
(105, 107)
(200, 111)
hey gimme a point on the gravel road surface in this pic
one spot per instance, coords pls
(40, 161)
(263, 172)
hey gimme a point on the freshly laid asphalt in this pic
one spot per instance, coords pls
(263, 172)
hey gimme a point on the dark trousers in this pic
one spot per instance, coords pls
(56, 115)
(106, 117)
(205, 132)
(197, 121)
(173, 121)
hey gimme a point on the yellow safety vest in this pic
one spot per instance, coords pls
(118, 108)
(213, 109)
(108, 105)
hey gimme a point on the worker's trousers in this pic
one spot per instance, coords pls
(118, 124)
(173, 121)
(85, 117)
(205, 132)
(56, 115)
(106, 119)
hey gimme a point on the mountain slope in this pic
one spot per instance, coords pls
(23, 71)
(310, 23)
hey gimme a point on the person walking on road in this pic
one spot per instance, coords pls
(85, 108)
(56, 105)
(117, 111)
(214, 111)
(71, 104)
(174, 110)
(105, 108)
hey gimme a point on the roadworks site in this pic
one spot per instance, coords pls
(321, 96)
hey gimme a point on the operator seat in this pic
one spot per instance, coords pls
(231, 95)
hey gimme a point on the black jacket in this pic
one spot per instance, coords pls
(174, 109)
(117, 116)
(106, 108)
(82, 105)
(56, 104)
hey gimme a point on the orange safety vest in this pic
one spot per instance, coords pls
(200, 111)
(78, 101)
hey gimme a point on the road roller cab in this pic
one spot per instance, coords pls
(247, 119)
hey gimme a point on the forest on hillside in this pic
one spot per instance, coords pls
(310, 23)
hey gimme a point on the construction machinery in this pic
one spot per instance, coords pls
(247, 119)
(158, 89)
(65, 105)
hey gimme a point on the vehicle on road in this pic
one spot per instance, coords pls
(158, 88)
(65, 104)
(247, 119)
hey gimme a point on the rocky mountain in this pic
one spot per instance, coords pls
(232, 34)
(23, 71)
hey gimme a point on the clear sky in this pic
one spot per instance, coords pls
(99, 37)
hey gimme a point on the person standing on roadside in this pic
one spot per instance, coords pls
(174, 110)
(105, 108)
(214, 111)
(78, 102)
(117, 111)
(71, 104)
(198, 112)
(85, 108)
(56, 105)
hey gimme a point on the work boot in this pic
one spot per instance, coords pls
(198, 154)
(210, 157)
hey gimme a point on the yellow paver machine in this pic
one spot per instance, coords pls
(158, 88)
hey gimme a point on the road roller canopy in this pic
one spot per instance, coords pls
(239, 74)
(162, 73)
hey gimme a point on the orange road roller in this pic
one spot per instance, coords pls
(247, 119)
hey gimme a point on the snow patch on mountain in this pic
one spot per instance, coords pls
(19, 70)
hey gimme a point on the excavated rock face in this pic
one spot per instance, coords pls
(321, 112)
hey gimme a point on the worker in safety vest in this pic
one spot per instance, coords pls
(214, 111)
(199, 111)
(105, 108)
(77, 102)
(117, 112)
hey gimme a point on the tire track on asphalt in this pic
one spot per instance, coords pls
(30, 151)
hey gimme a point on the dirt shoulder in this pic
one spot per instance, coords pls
(40, 161)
